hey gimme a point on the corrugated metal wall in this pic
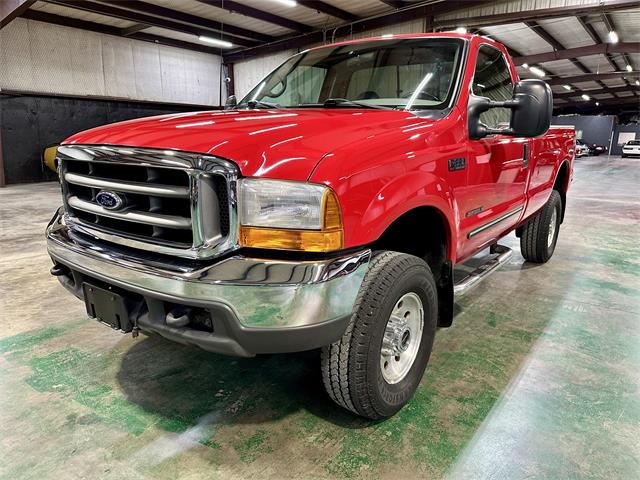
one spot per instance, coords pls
(248, 73)
(44, 58)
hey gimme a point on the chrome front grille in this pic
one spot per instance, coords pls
(172, 202)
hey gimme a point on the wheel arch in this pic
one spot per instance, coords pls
(561, 184)
(432, 244)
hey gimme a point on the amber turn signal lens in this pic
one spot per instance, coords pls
(305, 240)
(331, 218)
(328, 239)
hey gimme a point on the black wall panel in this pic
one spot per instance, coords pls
(616, 149)
(590, 128)
(31, 122)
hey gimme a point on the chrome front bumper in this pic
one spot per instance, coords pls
(291, 305)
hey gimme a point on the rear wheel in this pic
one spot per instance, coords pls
(540, 234)
(375, 368)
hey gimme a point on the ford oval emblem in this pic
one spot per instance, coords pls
(109, 200)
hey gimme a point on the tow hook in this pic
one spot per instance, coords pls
(59, 270)
(179, 317)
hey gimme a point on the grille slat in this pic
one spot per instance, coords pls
(148, 218)
(170, 191)
(171, 202)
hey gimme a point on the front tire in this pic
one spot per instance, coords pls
(540, 234)
(375, 368)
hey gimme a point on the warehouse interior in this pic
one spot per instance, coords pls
(537, 377)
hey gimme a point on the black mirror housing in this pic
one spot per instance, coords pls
(531, 115)
(532, 106)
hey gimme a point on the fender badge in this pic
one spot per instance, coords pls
(457, 164)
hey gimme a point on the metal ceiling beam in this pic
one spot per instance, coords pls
(544, 13)
(617, 101)
(394, 3)
(568, 53)
(551, 40)
(608, 21)
(584, 21)
(133, 29)
(513, 53)
(578, 92)
(152, 21)
(595, 36)
(324, 7)
(247, 11)
(557, 46)
(109, 30)
(607, 104)
(593, 77)
(398, 16)
(194, 20)
(10, 9)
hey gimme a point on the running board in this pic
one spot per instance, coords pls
(484, 270)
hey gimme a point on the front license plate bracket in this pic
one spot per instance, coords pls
(108, 307)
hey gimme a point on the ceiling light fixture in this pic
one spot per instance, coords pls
(586, 97)
(461, 30)
(215, 41)
(287, 3)
(638, 82)
(613, 37)
(629, 68)
(537, 71)
(525, 65)
(567, 87)
(597, 104)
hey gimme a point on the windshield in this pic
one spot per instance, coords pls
(403, 73)
(633, 142)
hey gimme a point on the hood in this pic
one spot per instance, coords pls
(284, 144)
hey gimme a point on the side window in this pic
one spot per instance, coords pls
(492, 79)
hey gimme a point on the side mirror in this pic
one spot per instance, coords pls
(531, 105)
(231, 102)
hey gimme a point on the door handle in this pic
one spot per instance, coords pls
(525, 156)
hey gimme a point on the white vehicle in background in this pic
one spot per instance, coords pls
(582, 149)
(631, 148)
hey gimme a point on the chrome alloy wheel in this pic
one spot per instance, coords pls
(552, 227)
(402, 338)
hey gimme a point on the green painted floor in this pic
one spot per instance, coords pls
(538, 378)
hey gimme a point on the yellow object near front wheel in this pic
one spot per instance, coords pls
(49, 157)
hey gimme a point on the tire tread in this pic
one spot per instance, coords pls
(533, 240)
(345, 381)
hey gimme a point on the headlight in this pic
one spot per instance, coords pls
(288, 215)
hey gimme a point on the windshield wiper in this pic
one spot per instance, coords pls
(261, 104)
(334, 102)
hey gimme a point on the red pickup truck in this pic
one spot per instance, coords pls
(327, 209)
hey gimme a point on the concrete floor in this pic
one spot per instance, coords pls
(538, 378)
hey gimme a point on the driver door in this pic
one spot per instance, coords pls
(497, 171)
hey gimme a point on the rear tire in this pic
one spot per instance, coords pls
(540, 234)
(375, 368)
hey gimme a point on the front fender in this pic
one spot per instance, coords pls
(371, 201)
(403, 194)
